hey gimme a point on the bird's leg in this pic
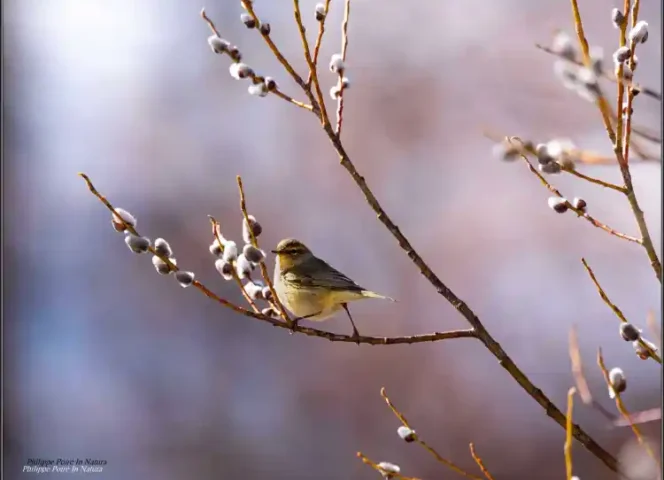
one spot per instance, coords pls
(356, 334)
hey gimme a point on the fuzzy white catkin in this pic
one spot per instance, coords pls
(389, 467)
(185, 279)
(163, 248)
(128, 218)
(639, 34)
(337, 64)
(253, 254)
(240, 70)
(243, 267)
(217, 44)
(230, 252)
(137, 244)
(224, 268)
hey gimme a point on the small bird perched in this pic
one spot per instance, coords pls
(312, 289)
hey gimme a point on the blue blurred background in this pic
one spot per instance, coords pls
(106, 359)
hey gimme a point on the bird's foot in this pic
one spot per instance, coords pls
(355, 336)
(294, 324)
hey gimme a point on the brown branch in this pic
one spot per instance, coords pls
(425, 445)
(290, 99)
(254, 241)
(344, 48)
(596, 181)
(311, 332)
(601, 102)
(249, 7)
(319, 38)
(605, 110)
(653, 354)
(654, 329)
(236, 278)
(568, 433)
(609, 76)
(645, 416)
(621, 84)
(580, 378)
(276, 92)
(593, 221)
(482, 333)
(623, 410)
(479, 462)
(312, 68)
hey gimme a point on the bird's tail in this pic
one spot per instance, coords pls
(370, 294)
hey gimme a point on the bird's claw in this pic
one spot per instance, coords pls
(355, 336)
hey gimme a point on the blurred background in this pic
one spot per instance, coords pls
(105, 359)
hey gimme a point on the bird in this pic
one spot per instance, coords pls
(310, 288)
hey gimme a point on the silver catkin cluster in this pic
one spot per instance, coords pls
(580, 79)
(231, 262)
(260, 86)
(163, 260)
(338, 66)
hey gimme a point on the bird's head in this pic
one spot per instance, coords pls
(291, 251)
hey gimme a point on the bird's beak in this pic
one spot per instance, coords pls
(274, 251)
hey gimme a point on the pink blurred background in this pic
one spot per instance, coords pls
(106, 359)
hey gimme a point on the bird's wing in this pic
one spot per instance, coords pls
(317, 273)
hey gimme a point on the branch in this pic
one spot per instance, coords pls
(580, 378)
(426, 446)
(623, 410)
(319, 38)
(479, 462)
(311, 332)
(236, 278)
(266, 276)
(344, 47)
(579, 212)
(644, 90)
(568, 433)
(617, 311)
(312, 68)
(482, 333)
(605, 110)
(254, 77)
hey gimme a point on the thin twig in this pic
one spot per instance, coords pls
(319, 38)
(344, 48)
(645, 416)
(479, 462)
(601, 102)
(383, 472)
(290, 99)
(621, 84)
(568, 433)
(215, 232)
(593, 221)
(654, 328)
(609, 76)
(482, 333)
(249, 7)
(312, 68)
(580, 378)
(277, 92)
(596, 181)
(254, 241)
(623, 410)
(605, 110)
(312, 332)
(653, 354)
(426, 446)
